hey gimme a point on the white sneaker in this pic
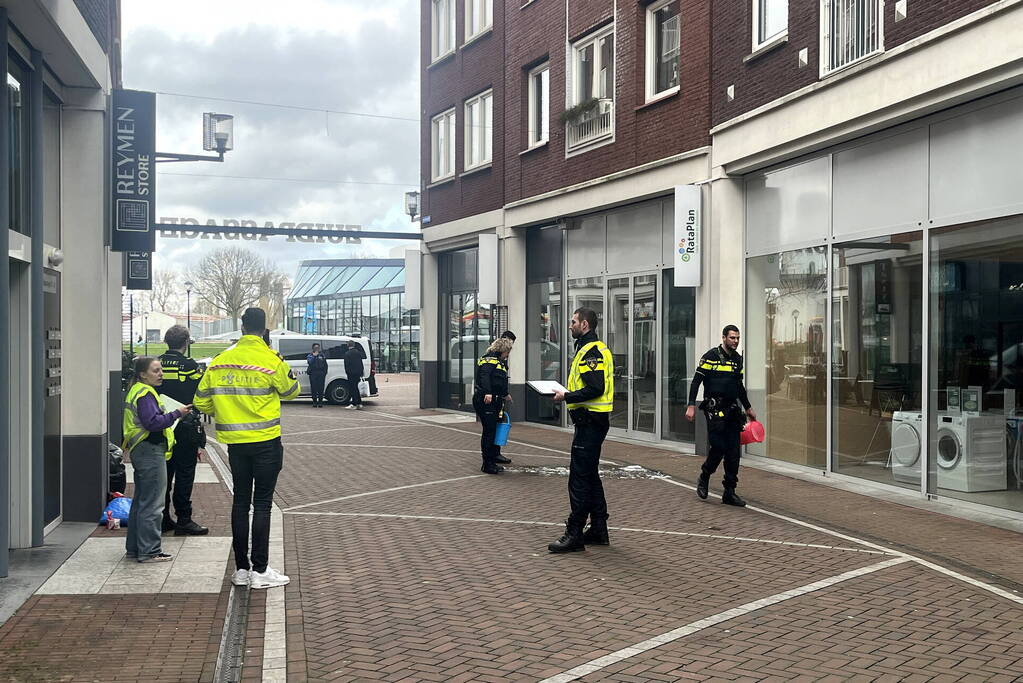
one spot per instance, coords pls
(349, 407)
(241, 577)
(268, 579)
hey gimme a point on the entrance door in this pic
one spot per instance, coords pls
(631, 332)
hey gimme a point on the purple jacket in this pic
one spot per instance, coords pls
(151, 417)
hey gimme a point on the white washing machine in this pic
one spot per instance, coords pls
(971, 453)
(907, 427)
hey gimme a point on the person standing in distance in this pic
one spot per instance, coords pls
(720, 371)
(243, 389)
(353, 373)
(181, 377)
(488, 398)
(590, 399)
(510, 336)
(317, 371)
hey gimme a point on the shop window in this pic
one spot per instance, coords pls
(442, 160)
(18, 159)
(679, 344)
(479, 130)
(663, 47)
(770, 21)
(539, 105)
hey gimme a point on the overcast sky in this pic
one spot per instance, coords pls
(342, 55)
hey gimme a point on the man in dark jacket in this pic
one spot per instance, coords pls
(181, 377)
(317, 371)
(354, 357)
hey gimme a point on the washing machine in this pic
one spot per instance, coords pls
(905, 456)
(970, 452)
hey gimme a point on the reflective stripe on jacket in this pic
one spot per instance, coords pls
(134, 432)
(243, 388)
(604, 402)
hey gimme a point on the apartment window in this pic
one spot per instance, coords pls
(663, 46)
(443, 148)
(852, 31)
(591, 115)
(479, 16)
(770, 21)
(539, 105)
(479, 129)
(442, 27)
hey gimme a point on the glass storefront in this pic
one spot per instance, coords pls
(467, 331)
(546, 334)
(678, 338)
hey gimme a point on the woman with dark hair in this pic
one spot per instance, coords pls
(149, 440)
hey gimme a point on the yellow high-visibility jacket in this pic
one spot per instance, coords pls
(243, 388)
(584, 362)
(134, 432)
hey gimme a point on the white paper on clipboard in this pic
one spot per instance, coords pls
(169, 405)
(547, 387)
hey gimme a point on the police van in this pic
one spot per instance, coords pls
(296, 347)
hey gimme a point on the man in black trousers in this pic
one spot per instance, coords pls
(317, 370)
(353, 372)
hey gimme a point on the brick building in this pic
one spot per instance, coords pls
(851, 164)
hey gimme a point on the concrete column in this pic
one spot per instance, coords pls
(513, 295)
(429, 333)
(720, 299)
(85, 309)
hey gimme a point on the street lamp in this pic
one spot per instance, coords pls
(145, 333)
(188, 314)
(217, 136)
(412, 204)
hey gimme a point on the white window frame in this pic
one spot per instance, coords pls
(825, 39)
(472, 9)
(438, 152)
(541, 137)
(651, 59)
(771, 39)
(437, 24)
(575, 51)
(478, 142)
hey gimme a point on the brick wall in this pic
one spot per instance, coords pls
(97, 16)
(535, 33)
(775, 73)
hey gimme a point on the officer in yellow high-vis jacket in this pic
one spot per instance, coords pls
(590, 399)
(242, 389)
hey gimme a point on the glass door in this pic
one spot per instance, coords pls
(631, 332)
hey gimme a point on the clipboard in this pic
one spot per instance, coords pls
(170, 404)
(546, 387)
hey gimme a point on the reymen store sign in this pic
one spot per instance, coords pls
(134, 178)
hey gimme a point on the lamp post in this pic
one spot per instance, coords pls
(188, 314)
(412, 204)
(145, 333)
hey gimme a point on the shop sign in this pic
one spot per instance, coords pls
(686, 256)
(138, 270)
(133, 142)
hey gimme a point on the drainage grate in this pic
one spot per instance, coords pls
(232, 643)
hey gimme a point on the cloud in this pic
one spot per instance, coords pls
(337, 55)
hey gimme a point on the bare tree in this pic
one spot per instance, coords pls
(230, 279)
(165, 295)
(272, 285)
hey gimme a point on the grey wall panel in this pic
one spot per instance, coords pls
(882, 184)
(788, 207)
(585, 248)
(634, 237)
(975, 164)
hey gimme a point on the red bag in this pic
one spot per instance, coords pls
(753, 432)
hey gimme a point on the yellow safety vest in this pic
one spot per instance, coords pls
(134, 432)
(603, 403)
(491, 360)
(243, 389)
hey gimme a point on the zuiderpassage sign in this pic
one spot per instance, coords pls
(133, 139)
(688, 233)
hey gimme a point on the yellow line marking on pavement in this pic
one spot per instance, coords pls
(1001, 592)
(696, 626)
(373, 493)
(441, 518)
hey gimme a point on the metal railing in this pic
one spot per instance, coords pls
(593, 125)
(852, 31)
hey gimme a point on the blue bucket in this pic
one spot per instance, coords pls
(501, 436)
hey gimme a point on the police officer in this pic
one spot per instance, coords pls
(181, 377)
(721, 373)
(490, 391)
(317, 371)
(243, 389)
(590, 398)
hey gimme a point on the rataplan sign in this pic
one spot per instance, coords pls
(133, 182)
(688, 233)
(191, 234)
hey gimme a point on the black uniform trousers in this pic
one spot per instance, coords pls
(180, 478)
(723, 439)
(585, 492)
(254, 470)
(316, 381)
(488, 417)
(355, 397)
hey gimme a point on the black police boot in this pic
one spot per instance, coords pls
(571, 541)
(730, 497)
(491, 469)
(502, 460)
(701, 485)
(168, 524)
(596, 533)
(190, 528)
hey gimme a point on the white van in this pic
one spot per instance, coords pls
(296, 347)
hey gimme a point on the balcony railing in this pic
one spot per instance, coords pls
(852, 31)
(593, 125)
